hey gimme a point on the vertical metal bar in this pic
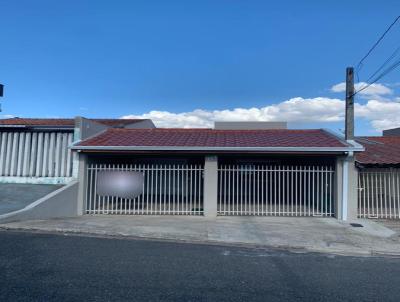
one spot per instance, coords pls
(296, 190)
(226, 190)
(169, 189)
(364, 192)
(288, 192)
(113, 209)
(163, 189)
(380, 208)
(191, 208)
(282, 190)
(384, 191)
(263, 185)
(228, 206)
(187, 190)
(398, 194)
(291, 190)
(258, 190)
(318, 190)
(253, 198)
(275, 191)
(196, 199)
(376, 201)
(279, 189)
(269, 191)
(331, 174)
(367, 188)
(179, 187)
(245, 197)
(390, 189)
(301, 192)
(95, 201)
(313, 190)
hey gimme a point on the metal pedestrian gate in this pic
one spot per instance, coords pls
(262, 190)
(166, 190)
(379, 193)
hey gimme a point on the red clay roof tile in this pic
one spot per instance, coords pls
(379, 150)
(162, 137)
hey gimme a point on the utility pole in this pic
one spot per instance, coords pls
(349, 118)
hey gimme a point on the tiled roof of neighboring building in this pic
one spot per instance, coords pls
(210, 138)
(379, 150)
(60, 122)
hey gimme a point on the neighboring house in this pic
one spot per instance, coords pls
(379, 175)
(37, 150)
(252, 170)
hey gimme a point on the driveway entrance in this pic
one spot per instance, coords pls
(14, 197)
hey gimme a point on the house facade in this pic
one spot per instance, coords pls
(234, 169)
(219, 172)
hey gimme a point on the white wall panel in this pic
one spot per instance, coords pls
(35, 154)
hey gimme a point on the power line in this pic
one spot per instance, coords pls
(393, 55)
(385, 72)
(358, 67)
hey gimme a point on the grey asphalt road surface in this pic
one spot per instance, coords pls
(14, 197)
(47, 267)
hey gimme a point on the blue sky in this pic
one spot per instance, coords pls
(184, 62)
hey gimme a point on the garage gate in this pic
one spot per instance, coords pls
(284, 190)
(379, 193)
(166, 190)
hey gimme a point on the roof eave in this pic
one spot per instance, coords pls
(212, 149)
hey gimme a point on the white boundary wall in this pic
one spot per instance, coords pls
(35, 154)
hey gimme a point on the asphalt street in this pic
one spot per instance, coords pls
(47, 267)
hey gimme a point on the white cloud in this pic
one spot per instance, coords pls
(294, 110)
(381, 114)
(373, 90)
(6, 116)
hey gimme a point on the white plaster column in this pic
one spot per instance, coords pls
(346, 188)
(210, 186)
(82, 173)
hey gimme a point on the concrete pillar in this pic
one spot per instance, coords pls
(82, 178)
(339, 187)
(346, 188)
(210, 186)
(352, 211)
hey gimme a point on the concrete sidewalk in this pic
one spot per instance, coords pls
(292, 233)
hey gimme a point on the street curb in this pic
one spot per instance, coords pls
(120, 236)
